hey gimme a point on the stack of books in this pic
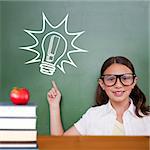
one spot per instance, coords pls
(18, 126)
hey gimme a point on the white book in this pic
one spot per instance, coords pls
(18, 135)
(19, 145)
(7, 109)
(17, 123)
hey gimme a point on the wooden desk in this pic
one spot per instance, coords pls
(93, 143)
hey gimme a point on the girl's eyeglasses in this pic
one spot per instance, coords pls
(111, 79)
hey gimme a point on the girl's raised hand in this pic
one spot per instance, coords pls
(54, 95)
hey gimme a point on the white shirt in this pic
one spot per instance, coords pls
(118, 128)
(101, 120)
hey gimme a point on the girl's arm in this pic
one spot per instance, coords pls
(54, 98)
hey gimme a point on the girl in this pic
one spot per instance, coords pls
(121, 106)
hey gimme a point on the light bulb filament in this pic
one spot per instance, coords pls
(52, 48)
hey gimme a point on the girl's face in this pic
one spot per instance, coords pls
(118, 92)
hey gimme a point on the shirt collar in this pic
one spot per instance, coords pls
(131, 108)
(109, 108)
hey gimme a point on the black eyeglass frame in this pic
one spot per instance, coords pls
(118, 76)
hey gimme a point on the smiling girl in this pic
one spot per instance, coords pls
(121, 106)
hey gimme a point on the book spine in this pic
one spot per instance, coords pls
(18, 135)
(17, 123)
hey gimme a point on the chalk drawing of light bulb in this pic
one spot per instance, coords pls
(54, 47)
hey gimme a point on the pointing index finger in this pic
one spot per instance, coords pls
(54, 85)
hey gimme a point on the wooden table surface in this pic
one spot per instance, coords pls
(93, 143)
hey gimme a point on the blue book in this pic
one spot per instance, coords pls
(18, 145)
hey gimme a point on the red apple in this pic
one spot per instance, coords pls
(20, 96)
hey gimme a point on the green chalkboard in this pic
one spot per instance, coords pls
(109, 28)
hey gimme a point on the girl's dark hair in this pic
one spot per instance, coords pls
(138, 97)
